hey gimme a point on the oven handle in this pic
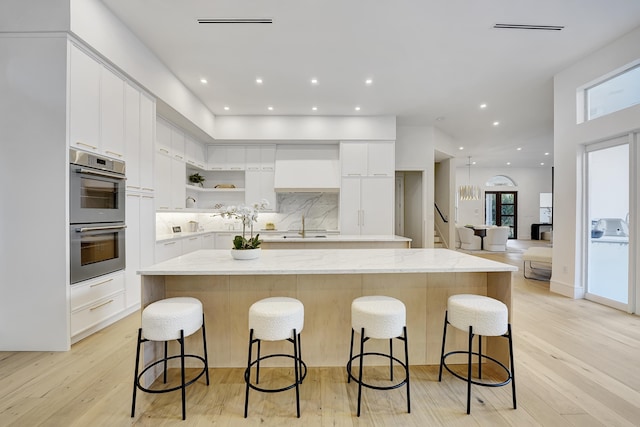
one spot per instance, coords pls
(107, 227)
(100, 173)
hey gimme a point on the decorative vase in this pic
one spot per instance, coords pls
(245, 253)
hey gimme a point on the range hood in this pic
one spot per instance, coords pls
(307, 168)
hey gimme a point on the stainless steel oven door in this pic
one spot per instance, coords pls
(95, 195)
(96, 249)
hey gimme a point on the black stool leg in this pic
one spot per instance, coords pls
(406, 362)
(300, 358)
(164, 378)
(204, 343)
(258, 365)
(479, 356)
(391, 359)
(295, 370)
(469, 370)
(444, 338)
(361, 363)
(135, 374)
(182, 373)
(247, 376)
(513, 375)
(350, 358)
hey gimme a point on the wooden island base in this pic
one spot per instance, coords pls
(327, 301)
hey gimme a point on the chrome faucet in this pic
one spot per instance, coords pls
(302, 232)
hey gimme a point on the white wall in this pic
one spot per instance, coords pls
(530, 183)
(34, 15)
(318, 128)
(415, 151)
(569, 140)
(34, 263)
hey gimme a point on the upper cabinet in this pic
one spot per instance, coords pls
(139, 125)
(367, 158)
(226, 157)
(96, 106)
(195, 153)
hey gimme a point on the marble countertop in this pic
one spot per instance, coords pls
(288, 238)
(326, 261)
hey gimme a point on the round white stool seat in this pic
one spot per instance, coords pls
(381, 317)
(273, 319)
(488, 316)
(163, 320)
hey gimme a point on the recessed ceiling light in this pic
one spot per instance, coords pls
(439, 119)
(314, 108)
(226, 108)
(259, 80)
(496, 123)
(314, 81)
(203, 81)
(368, 82)
(460, 148)
(270, 108)
(519, 148)
(483, 105)
(541, 164)
(357, 108)
(473, 163)
(546, 154)
(508, 163)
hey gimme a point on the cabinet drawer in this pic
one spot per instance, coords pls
(96, 313)
(95, 289)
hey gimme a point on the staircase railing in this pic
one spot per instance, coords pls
(444, 219)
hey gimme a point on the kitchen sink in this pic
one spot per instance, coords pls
(297, 236)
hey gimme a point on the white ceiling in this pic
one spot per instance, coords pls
(433, 62)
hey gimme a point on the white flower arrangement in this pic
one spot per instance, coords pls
(248, 215)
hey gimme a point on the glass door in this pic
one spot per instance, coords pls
(501, 209)
(608, 219)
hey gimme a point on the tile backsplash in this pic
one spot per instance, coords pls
(320, 211)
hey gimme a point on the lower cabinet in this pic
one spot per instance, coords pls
(225, 240)
(168, 250)
(95, 302)
(191, 244)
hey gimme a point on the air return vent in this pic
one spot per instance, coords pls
(528, 27)
(235, 21)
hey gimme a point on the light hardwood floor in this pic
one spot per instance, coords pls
(577, 364)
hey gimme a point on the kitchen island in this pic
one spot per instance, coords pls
(326, 281)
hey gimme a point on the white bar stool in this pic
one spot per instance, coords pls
(166, 320)
(275, 319)
(379, 317)
(481, 316)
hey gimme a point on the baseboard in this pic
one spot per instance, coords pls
(566, 289)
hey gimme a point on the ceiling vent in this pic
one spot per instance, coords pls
(529, 27)
(235, 21)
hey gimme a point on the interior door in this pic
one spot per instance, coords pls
(501, 209)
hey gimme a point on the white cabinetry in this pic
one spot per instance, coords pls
(366, 205)
(191, 244)
(167, 250)
(138, 138)
(367, 190)
(170, 183)
(259, 175)
(225, 240)
(367, 158)
(226, 157)
(209, 241)
(140, 242)
(195, 153)
(94, 302)
(96, 106)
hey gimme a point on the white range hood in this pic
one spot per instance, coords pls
(307, 168)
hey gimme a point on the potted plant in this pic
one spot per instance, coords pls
(197, 179)
(245, 247)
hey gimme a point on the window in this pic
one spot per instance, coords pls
(500, 180)
(613, 94)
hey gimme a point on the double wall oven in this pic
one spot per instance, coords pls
(97, 215)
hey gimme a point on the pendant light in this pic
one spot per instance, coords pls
(469, 192)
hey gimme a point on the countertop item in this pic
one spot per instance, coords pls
(326, 261)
